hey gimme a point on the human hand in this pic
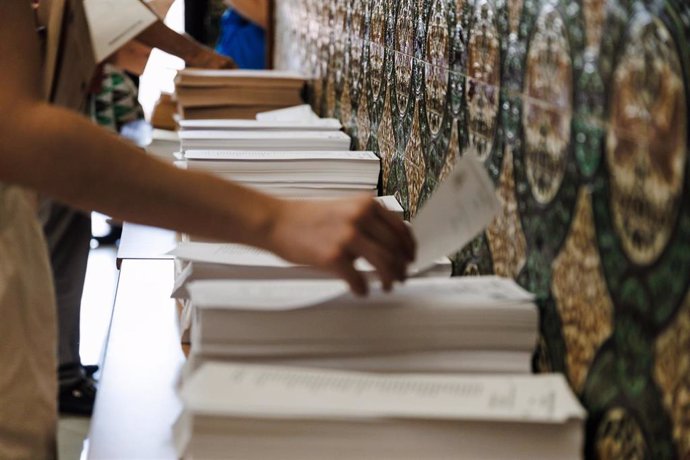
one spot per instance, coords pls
(205, 58)
(332, 234)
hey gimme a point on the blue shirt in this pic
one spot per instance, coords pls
(242, 40)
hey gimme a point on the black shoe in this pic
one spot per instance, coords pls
(111, 238)
(78, 398)
(90, 370)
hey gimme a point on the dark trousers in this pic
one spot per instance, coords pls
(68, 233)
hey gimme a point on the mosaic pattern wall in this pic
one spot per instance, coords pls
(579, 110)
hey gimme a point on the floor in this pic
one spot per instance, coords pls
(96, 310)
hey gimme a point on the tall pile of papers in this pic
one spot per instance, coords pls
(266, 140)
(259, 412)
(483, 324)
(286, 365)
(204, 94)
(290, 153)
(299, 174)
(201, 260)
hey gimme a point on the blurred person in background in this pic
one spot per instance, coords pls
(242, 33)
(237, 28)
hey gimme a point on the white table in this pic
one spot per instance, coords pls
(137, 402)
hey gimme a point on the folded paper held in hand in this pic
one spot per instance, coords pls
(81, 35)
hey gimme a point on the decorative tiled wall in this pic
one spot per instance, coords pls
(579, 110)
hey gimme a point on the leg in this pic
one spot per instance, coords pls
(68, 233)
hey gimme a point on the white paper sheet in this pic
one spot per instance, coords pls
(113, 23)
(258, 155)
(326, 124)
(230, 389)
(286, 136)
(274, 295)
(238, 254)
(228, 253)
(303, 113)
(462, 206)
(241, 73)
(466, 292)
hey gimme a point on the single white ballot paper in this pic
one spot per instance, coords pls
(113, 23)
(302, 113)
(258, 295)
(461, 207)
(249, 390)
(228, 253)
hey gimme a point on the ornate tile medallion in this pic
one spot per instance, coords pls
(593, 11)
(482, 87)
(377, 51)
(436, 71)
(387, 149)
(363, 124)
(647, 143)
(357, 66)
(415, 168)
(403, 68)
(547, 110)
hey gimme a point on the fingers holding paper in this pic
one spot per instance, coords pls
(333, 234)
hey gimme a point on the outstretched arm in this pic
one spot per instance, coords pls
(134, 55)
(63, 155)
(160, 36)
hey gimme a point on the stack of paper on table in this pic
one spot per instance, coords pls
(292, 174)
(222, 112)
(459, 209)
(290, 140)
(203, 93)
(198, 260)
(319, 124)
(200, 253)
(260, 412)
(468, 324)
(241, 79)
(217, 261)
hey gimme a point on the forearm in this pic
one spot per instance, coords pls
(193, 53)
(132, 57)
(160, 36)
(64, 156)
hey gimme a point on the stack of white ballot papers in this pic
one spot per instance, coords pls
(200, 261)
(262, 140)
(292, 174)
(464, 324)
(318, 124)
(246, 412)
